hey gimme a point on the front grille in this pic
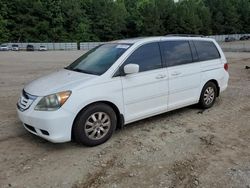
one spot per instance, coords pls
(25, 101)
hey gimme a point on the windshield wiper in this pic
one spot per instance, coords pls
(82, 71)
(77, 70)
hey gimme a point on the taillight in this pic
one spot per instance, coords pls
(226, 66)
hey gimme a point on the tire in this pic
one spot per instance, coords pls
(208, 95)
(94, 125)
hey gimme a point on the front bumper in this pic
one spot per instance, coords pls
(54, 126)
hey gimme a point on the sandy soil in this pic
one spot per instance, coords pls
(183, 148)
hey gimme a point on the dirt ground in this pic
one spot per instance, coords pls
(183, 148)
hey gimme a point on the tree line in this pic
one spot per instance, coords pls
(104, 20)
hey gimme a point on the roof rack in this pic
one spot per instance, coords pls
(184, 35)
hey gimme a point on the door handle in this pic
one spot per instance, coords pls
(160, 76)
(175, 73)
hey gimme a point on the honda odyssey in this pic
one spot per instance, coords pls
(121, 82)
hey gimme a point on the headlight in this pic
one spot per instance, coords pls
(53, 102)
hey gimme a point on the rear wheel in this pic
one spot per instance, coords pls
(95, 125)
(208, 95)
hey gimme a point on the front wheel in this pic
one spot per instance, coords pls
(95, 125)
(208, 95)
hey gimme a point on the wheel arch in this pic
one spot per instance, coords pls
(120, 117)
(217, 85)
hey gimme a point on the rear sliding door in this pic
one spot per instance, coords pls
(184, 72)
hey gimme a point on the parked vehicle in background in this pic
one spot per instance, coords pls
(245, 38)
(122, 82)
(42, 48)
(30, 47)
(15, 47)
(4, 47)
(230, 39)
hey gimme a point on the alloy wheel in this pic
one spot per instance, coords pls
(209, 95)
(97, 125)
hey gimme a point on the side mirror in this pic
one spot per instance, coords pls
(131, 68)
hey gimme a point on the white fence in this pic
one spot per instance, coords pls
(221, 38)
(235, 46)
(89, 45)
(49, 46)
(58, 46)
(243, 46)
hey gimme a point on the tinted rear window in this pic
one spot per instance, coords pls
(206, 50)
(176, 52)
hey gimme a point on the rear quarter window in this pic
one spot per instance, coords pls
(206, 50)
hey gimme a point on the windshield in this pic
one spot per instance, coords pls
(98, 60)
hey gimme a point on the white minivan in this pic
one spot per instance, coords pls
(121, 82)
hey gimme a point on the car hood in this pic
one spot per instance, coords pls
(56, 82)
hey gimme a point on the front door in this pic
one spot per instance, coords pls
(145, 93)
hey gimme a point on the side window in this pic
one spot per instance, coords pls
(206, 50)
(148, 57)
(176, 52)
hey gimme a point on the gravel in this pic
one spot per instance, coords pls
(184, 148)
